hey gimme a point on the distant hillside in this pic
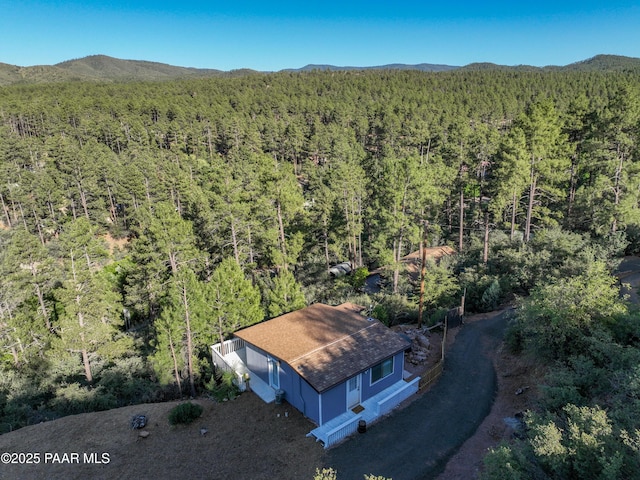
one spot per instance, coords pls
(11, 74)
(108, 69)
(104, 68)
(606, 62)
(424, 67)
(599, 63)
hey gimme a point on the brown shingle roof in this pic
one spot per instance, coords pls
(324, 344)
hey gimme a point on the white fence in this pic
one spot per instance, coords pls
(229, 346)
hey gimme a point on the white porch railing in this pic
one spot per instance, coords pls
(388, 403)
(341, 431)
(229, 346)
(225, 357)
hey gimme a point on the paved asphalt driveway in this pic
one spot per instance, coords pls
(416, 442)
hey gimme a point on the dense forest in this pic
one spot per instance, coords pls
(142, 222)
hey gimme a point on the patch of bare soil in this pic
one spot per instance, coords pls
(245, 439)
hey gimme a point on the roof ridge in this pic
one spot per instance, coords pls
(291, 362)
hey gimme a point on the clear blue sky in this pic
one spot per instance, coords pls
(272, 35)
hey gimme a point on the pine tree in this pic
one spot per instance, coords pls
(90, 310)
(233, 302)
(285, 295)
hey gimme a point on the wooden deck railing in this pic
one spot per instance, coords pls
(432, 374)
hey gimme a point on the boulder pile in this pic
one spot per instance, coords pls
(420, 346)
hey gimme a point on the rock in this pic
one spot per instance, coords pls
(139, 421)
(203, 431)
(144, 434)
(423, 341)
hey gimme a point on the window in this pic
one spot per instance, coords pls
(381, 370)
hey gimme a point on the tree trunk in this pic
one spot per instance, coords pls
(617, 190)
(360, 233)
(24, 219)
(572, 188)
(351, 249)
(85, 354)
(325, 234)
(283, 246)
(423, 272)
(513, 213)
(532, 196)
(14, 354)
(250, 244)
(173, 262)
(485, 252)
(187, 319)
(6, 211)
(397, 253)
(234, 241)
(461, 228)
(86, 363)
(112, 206)
(43, 307)
(35, 216)
(176, 370)
(83, 200)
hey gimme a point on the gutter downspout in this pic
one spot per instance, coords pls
(304, 405)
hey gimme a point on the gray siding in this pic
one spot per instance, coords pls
(257, 363)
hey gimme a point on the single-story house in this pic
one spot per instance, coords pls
(331, 363)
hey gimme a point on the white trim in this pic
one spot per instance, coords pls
(350, 404)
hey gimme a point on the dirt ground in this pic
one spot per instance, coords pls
(245, 439)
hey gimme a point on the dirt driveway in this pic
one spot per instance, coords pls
(417, 441)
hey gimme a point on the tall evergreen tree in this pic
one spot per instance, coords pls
(232, 300)
(90, 310)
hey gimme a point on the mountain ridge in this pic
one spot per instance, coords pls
(102, 68)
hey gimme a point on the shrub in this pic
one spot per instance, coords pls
(184, 413)
(359, 277)
(223, 386)
(491, 296)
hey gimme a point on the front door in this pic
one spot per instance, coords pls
(353, 391)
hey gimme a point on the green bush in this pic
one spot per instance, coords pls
(223, 386)
(359, 277)
(184, 413)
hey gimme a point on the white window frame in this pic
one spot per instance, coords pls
(381, 364)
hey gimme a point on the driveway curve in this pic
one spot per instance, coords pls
(417, 441)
